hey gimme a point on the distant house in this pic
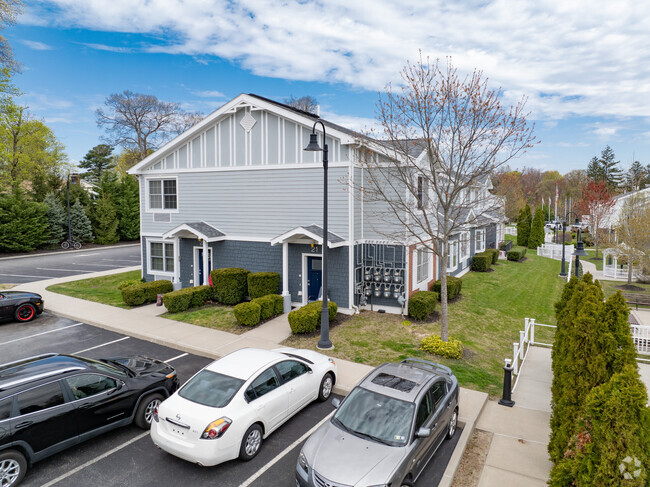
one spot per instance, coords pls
(238, 190)
(610, 220)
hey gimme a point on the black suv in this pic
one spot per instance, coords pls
(51, 402)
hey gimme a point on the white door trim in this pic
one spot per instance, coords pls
(195, 260)
(305, 287)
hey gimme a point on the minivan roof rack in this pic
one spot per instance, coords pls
(427, 364)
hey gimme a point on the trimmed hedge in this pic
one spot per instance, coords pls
(145, 292)
(230, 285)
(189, 297)
(516, 253)
(454, 286)
(481, 262)
(307, 318)
(248, 314)
(278, 303)
(262, 284)
(422, 304)
(451, 349)
(267, 304)
(494, 253)
(130, 282)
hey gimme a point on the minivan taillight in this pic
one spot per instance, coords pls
(216, 429)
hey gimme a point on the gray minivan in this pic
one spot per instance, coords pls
(385, 431)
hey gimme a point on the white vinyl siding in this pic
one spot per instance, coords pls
(161, 257)
(479, 238)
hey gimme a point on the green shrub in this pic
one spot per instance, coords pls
(494, 253)
(278, 303)
(263, 283)
(307, 318)
(454, 286)
(587, 239)
(230, 285)
(422, 304)
(516, 253)
(481, 262)
(248, 314)
(504, 244)
(451, 349)
(145, 292)
(128, 283)
(189, 297)
(268, 306)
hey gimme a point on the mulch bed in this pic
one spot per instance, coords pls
(630, 287)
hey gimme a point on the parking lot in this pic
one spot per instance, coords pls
(127, 457)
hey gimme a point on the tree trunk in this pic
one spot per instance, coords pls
(629, 270)
(444, 322)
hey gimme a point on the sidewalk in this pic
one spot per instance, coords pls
(518, 450)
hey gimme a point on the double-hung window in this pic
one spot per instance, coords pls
(422, 264)
(161, 257)
(162, 194)
(452, 255)
(479, 238)
(422, 193)
(464, 245)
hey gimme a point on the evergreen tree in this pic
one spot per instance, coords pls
(128, 208)
(523, 226)
(57, 219)
(82, 230)
(106, 221)
(96, 162)
(536, 237)
(605, 168)
(23, 226)
(615, 316)
(595, 170)
(636, 177)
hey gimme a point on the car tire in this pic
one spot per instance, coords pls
(144, 414)
(325, 389)
(25, 312)
(453, 422)
(13, 466)
(251, 443)
(406, 483)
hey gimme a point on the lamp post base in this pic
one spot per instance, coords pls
(562, 274)
(324, 345)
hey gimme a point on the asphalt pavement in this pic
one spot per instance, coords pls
(36, 267)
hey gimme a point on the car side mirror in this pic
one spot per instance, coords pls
(423, 433)
(336, 402)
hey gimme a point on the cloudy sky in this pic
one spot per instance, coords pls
(584, 65)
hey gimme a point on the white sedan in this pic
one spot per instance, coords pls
(230, 406)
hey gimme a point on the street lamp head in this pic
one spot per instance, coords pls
(313, 143)
(580, 250)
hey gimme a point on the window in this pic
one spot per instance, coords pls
(424, 411)
(422, 193)
(161, 257)
(87, 385)
(162, 194)
(422, 264)
(479, 240)
(291, 369)
(40, 398)
(452, 255)
(211, 389)
(464, 245)
(265, 383)
(437, 393)
(6, 405)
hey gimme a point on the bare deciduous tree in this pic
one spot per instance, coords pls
(633, 233)
(598, 204)
(9, 10)
(443, 135)
(304, 103)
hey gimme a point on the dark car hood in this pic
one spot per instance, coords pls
(141, 365)
(20, 294)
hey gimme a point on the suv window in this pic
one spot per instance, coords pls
(87, 385)
(424, 411)
(291, 369)
(5, 407)
(39, 398)
(437, 393)
(265, 383)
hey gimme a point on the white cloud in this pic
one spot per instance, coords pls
(604, 131)
(585, 57)
(209, 94)
(105, 47)
(37, 46)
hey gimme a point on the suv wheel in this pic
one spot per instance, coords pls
(452, 424)
(144, 414)
(12, 468)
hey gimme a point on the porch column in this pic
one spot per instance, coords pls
(285, 277)
(177, 264)
(206, 274)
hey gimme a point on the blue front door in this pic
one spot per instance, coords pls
(200, 257)
(314, 278)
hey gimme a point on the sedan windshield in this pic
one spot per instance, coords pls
(210, 389)
(377, 417)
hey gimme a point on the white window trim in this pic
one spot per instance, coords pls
(163, 241)
(148, 209)
(453, 244)
(464, 236)
(426, 263)
(195, 262)
(478, 241)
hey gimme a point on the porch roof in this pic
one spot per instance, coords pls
(201, 230)
(311, 232)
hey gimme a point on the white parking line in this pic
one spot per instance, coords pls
(96, 265)
(62, 270)
(39, 334)
(102, 345)
(95, 460)
(177, 357)
(284, 453)
(24, 275)
(88, 255)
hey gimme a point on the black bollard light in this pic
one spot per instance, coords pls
(506, 400)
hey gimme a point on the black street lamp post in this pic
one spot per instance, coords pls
(324, 343)
(580, 250)
(69, 222)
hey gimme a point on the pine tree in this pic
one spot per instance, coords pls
(106, 221)
(128, 209)
(96, 161)
(605, 168)
(523, 226)
(82, 230)
(23, 226)
(615, 316)
(536, 237)
(57, 219)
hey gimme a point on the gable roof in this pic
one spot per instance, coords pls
(313, 232)
(201, 230)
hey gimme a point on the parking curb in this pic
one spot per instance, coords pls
(68, 251)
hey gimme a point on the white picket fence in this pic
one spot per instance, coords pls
(554, 251)
(641, 338)
(620, 271)
(511, 231)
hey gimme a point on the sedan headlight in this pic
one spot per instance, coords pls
(302, 461)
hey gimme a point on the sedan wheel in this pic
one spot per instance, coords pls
(25, 312)
(452, 424)
(144, 414)
(12, 468)
(325, 387)
(251, 443)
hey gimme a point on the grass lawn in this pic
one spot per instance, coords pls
(98, 289)
(610, 287)
(487, 318)
(598, 261)
(211, 316)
